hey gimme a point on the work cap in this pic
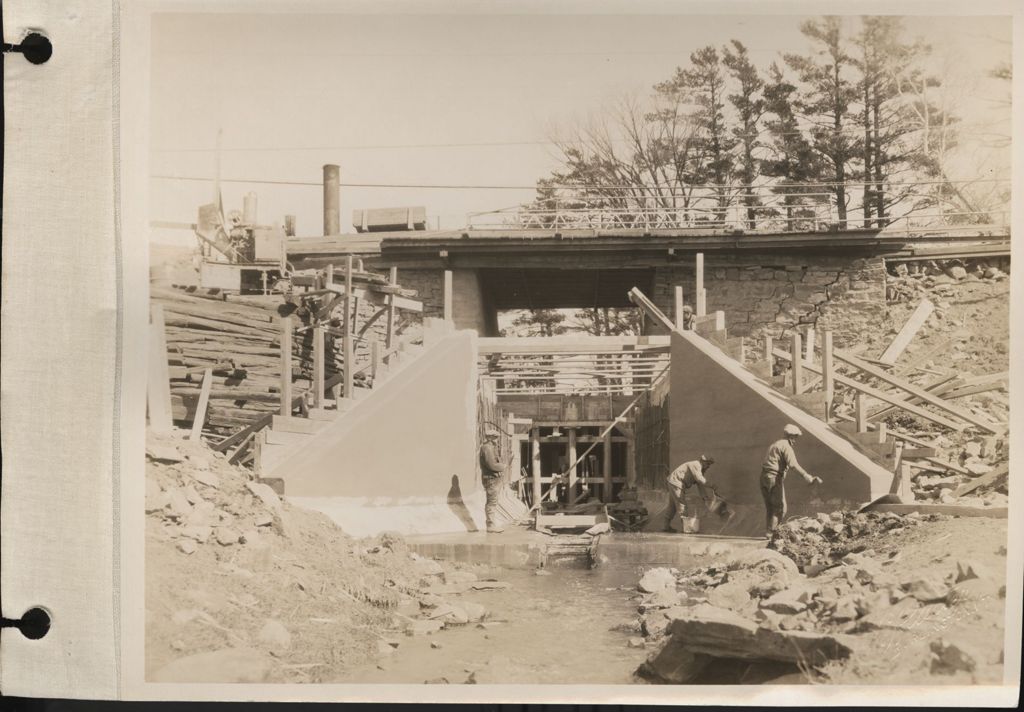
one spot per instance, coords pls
(490, 433)
(792, 430)
(709, 460)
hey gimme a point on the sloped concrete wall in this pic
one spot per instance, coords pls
(720, 409)
(405, 458)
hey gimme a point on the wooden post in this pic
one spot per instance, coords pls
(289, 226)
(318, 364)
(535, 464)
(376, 361)
(631, 459)
(796, 364)
(390, 337)
(204, 399)
(828, 373)
(286, 365)
(809, 345)
(158, 391)
(769, 344)
(719, 320)
(701, 294)
(679, 308)
(606, 473)
(862, 413)
(571, 454)
(448, 295)
(882, 431)
(348, 357)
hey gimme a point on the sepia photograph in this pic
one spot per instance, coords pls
(549, 349)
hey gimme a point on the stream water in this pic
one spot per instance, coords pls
(559, 628)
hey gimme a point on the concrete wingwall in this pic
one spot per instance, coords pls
(405, 458)
(719, 408)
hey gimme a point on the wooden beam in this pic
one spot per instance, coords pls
(286, 365)
(880, 395)
(809, 345)
(986, 479)
(571, 454)
(701, 294)
(448, 295)
(937, 387)
(797, 364)
(719, 320)
(678, 308)
(535, 464)
(861, 413)
(389, 339)
(924, 395)
(641, 300)
(204, 399)
(828, 373)
(348, 355)
(158, 389)
(572, 344)
(606, 470)
(907, 332)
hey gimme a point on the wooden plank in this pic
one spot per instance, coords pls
(158, 389)
(954, 510)
(973, 390)
(911, 453)
(572, 344)
(640, 299)
(573, 467)
(907, 332)
(204, 399)
(924, 395)
(880, 395)
(606, 469)
(535, 464)
(937, 387)
(947, 465)
(987, 479)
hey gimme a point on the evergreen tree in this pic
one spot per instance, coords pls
(749, 105)
(826, 101)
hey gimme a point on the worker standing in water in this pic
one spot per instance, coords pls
(683, 478)
(491, 468)
(779, 460)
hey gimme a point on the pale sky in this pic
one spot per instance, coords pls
(385, 96)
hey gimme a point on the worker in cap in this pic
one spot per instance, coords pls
(779, 460)
(491, 469)
(683, 478)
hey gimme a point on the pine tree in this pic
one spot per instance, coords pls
(826, 101)
(749, 105)
(790, 155)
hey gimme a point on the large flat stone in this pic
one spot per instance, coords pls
(721, 633)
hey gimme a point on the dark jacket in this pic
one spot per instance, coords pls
(490, 464)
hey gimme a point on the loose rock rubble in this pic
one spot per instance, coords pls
(818, 600)
(242, 587)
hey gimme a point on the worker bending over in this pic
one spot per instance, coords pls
(491, 468)
(683, 478)
(779, 460)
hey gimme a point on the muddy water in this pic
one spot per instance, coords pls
(544, 629)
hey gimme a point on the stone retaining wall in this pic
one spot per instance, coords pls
(775, 293)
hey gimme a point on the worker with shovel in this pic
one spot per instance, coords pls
(683, 478)
(491, 468)
(777, 462)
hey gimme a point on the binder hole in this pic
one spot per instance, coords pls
(35, 623)
(37, 49)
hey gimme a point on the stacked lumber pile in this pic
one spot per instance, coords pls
(240, 341)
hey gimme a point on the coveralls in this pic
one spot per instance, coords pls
(680, 480)
(777, 462)
(491, 468)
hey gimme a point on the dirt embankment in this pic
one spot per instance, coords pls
(876, 598)
(243, 587)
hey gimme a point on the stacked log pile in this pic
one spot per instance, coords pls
(239, 340)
